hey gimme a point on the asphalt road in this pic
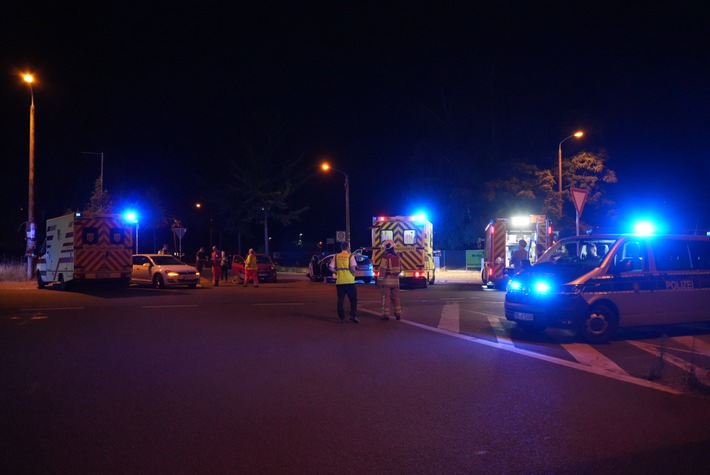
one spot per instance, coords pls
(234, 380)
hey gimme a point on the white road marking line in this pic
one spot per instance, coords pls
(550, 359)
(44, 309)
(587, 354)
(655, 350)
(450, 320)
(168, 306)
(498, 330)
(694, 344)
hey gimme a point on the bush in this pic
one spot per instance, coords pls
(13, 270)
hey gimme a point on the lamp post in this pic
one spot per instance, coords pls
(101, 177)
(30, 230)
(326, 166)
(577, 134)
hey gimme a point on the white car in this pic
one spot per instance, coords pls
(162, 270)
(318, 270)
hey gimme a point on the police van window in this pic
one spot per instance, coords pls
(409, 236)
(386, 235)
(671, 254)
(700, 254)
(632, 257)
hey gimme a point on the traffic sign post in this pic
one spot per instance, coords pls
(579, 196)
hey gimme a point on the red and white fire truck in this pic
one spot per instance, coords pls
(501, 239)
(86, 248)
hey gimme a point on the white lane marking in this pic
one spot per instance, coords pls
(450, 320)
(655, 350)
(498, 330)
(587, 354)
(168, 306)
(44, 309)
(550, 359)
(693, 344)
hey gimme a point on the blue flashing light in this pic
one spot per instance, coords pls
(643, 227)
(420, 217)
(515, 285)
(542, 287)
(130, 216)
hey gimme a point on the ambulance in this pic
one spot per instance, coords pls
(501, 239)
(413, 237)
(89, 248)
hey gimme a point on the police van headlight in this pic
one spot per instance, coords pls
(514, 286)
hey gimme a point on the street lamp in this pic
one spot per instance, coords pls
(577, 134)
(30, 230)
(101, 177)
(326, 166)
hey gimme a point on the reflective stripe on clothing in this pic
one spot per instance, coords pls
(389, 270)
(344, 268)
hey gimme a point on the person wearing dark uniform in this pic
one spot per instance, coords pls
(388, 280)
(343, 265)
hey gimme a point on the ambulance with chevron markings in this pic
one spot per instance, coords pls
(89, 248)
(414, 243)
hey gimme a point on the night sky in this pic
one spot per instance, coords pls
(164, 91)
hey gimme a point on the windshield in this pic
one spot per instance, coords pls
(166, 261)
(580, 252)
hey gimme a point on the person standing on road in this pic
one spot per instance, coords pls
(216, 265)
(388, 280)
(165, 250)
(224, 263)
(200, 259)
(343, 265)
(251, 269)
(519, 256)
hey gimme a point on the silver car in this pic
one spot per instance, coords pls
(162, 270)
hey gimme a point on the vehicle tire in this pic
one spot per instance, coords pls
(367, 280)
(484, 280)
(158, 281)
(599, 324)
(433, 278)
(62, 284)
(191, 286)
(40, 283)
(424, 283)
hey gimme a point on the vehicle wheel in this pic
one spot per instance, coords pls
(191, 286)
(158, 281)
(599, 324)
(40, 283)
(433, 278)
(367, 280)
(424, 283)
(62, 284)
(484, 280)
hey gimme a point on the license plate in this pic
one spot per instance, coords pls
(523, 316)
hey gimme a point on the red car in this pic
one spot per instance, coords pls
(266, 272)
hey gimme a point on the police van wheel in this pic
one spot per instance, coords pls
(40, 283)
(484, 280)
(599, 324)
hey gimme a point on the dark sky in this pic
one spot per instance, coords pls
(164, 91)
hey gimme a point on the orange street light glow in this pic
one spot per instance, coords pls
(28, 78)
(578, 134)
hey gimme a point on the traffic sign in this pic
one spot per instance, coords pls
(180, 232)
(340, 236)
(579, 196)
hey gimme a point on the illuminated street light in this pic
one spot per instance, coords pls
(577, 134)
(326, 166)
(31, 227)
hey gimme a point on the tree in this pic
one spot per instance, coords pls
(100, 200)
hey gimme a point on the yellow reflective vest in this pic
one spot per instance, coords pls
(344, 272)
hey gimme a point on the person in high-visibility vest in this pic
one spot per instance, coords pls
(251, 269)
(388, 279)
(343, 265)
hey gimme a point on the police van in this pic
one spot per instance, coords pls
(595, 284)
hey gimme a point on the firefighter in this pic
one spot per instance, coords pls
(388, 280)
(343, 265)
(216, 265)
(251, 269)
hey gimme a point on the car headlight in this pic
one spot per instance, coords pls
(173, 274)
